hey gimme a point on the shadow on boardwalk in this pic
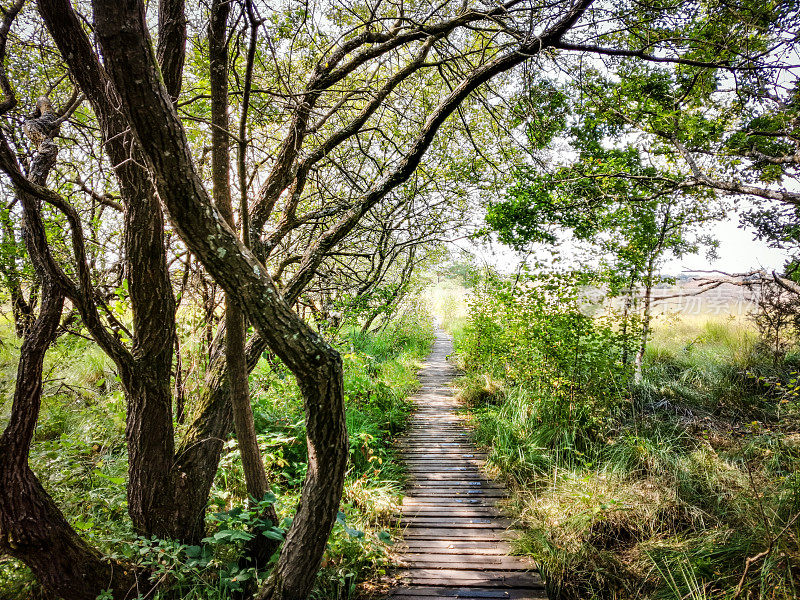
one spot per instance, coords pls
(455, 542)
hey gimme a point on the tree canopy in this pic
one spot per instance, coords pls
(303, 154)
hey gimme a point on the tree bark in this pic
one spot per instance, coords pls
(32, 528)
(628, 304)
(235, 329)
(200, 449)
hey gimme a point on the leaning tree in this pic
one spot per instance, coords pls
(342, 110)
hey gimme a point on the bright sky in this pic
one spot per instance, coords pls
(738, 251)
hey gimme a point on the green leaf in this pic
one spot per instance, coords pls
(269, 498)
(223, 536)
(115, 480)
(274, 533)
(385, 537)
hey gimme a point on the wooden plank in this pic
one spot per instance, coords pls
(423, 560)
(449, 481)
(468, 522)
(455, 577)
(444, 465)
(445, 468)
(434, 442)
(412, 497)
(442, 593)
(428, 453)
(482, 546)
(455, 492)
(454, 533)
(455, 483)
(452, 479)
(411, 525)
(448, 496)
(428, 458)
(447, 484)
(455, 433)
(451, 501)
(437, 446)
(431, 455)
(449, 511)
(451, 431)
(530, 595)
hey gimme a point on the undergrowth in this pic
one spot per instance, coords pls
(79, 455)
(686, 485)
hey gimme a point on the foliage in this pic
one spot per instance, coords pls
(777, 318)
(681, 486)
(538, 331)
(609, 192)
(80, 456)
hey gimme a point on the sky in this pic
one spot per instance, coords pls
(738, 251)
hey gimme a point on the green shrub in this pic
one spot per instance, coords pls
(681, 486)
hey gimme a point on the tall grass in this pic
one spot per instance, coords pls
(684, 486)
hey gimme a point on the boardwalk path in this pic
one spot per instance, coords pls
(455, 541)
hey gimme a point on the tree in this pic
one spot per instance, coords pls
(630, 223)
(33, 527)
(350, 101)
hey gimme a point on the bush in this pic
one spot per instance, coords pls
(681, 486)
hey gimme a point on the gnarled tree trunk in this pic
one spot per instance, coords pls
(146, 370)
(32, 528)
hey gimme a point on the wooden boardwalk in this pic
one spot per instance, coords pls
(455, 542)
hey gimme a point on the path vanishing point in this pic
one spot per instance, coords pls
(455, 540)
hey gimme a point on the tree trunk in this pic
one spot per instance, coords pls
(261, 548)
(32, 528)
(655, 254)
(146, 372)
(198, 455)
(637, 363)
(149, 432)
(626, 315)
(368, 323)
